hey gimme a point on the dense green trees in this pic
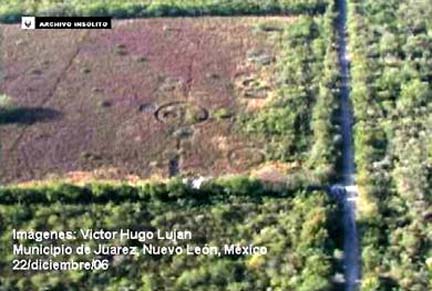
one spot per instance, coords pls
(298, 230)
(391, 79)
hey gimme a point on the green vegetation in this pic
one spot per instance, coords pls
(296, 227)
(11, 10)
(299, 124)
(391, 48)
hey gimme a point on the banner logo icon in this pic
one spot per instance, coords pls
(28, 22)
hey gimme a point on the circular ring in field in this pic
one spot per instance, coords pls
(246, 157)
(181, 113)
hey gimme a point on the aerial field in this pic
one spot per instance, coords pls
(162, 97)
(150, 97)
(98, 130)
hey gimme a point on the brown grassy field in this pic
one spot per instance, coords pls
(148, 98)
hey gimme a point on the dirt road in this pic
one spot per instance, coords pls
(348, 200)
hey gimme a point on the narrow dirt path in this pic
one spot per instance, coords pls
(348, 200)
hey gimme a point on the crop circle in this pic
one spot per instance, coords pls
(181, 113)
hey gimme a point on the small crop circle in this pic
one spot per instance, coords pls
(181, 113)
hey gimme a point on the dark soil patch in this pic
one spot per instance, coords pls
(146, 108)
